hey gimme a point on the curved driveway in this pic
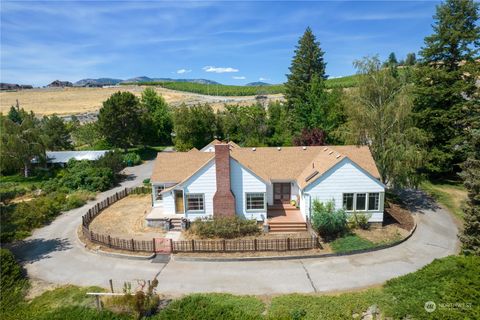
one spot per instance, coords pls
(53, 254)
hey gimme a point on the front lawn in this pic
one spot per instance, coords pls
(450, 194)
(451, 283)
(350, 243)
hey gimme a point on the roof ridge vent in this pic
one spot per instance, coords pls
(279, 148)
(338, 156)
(304, 148)
(253, 149)
(325, 149)
(330, 152)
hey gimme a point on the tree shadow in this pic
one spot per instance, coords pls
(28, 251)
(417, 201)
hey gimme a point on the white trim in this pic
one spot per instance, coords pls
(256, 210)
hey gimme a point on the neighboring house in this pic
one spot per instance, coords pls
(255, 183)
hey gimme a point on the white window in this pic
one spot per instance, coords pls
(348, 201)
(195, 202)
(158, 192)
(361, 202)
(373, 201)
(255, 201)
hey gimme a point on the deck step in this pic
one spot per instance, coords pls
(288, 226)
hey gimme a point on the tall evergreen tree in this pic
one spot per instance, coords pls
(442, 83)
(306, 64)
(470, 236)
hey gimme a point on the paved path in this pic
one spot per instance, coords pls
(53, 254)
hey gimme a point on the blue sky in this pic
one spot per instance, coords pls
(231, 42)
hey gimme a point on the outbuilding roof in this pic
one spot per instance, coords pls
(65, 156)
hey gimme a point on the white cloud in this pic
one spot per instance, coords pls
(180, 71)
(219, 69)
(263, 79)
(239, 77)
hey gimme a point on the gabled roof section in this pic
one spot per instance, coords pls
(216, 141)
(174, 167)
(285, 163)
(362, 156)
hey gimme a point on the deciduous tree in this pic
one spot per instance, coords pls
(119, 120)
(379, 116)
(193, 126)
(157, 120)
(55, 134)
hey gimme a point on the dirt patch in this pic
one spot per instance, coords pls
(126, 219)
(37, 287)
(386, 234)
(398, 215)
(254, 254)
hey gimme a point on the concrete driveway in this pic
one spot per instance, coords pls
(53, 254)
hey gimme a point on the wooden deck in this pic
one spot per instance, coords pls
(284, 213)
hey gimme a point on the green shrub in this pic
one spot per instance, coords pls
(78, 199)
(82, 174)
(359, 220)
(213, 306)
(350, 243)
(12, 282)
(330, 223)
(112, 160)
(132, 159)
(452, 283)
(224, 227)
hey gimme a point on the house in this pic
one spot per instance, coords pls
(224, 179)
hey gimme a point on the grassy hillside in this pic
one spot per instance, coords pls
(228, 90)
(451, 283)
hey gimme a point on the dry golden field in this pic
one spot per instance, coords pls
(66, 101)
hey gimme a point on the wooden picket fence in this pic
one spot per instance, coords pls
(223, 245)
(283, 244)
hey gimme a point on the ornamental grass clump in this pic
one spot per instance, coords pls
(224, 227)
(329, 223)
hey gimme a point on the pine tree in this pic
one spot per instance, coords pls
(442, 83)
(306, 64)
(470, 236)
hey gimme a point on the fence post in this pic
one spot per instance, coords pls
(91, 235)
(255, 244)
(288, 244)
(109, 242)
(224, 243)
(193, 245)
(133, 245)
(111, 284)
(171, 245)
(153, 242)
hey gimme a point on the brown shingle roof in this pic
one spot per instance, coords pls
(269, 163)
(178, 166)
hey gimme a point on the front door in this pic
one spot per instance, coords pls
(281, 192)
(179, 202)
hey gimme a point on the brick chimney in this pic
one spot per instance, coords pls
(223, 200)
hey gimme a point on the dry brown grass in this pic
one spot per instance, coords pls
(66, 101)
(126, 219)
